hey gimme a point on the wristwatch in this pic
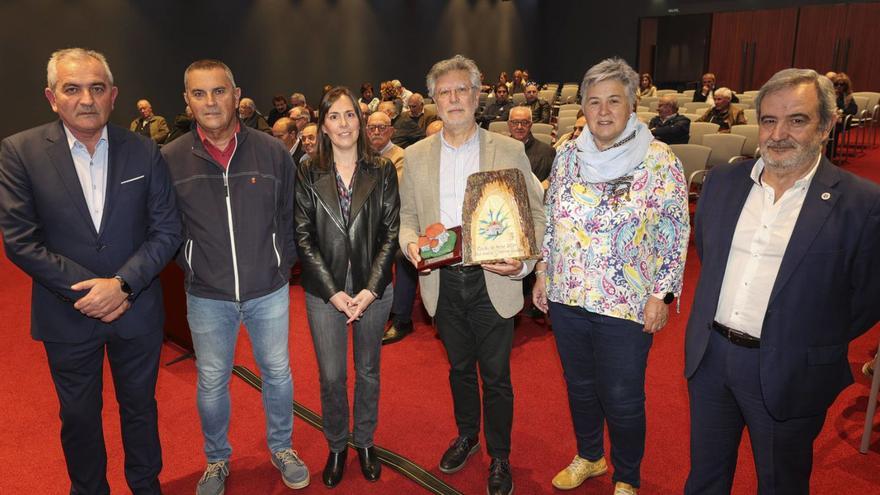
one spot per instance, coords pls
(668, 298)
(124, 285)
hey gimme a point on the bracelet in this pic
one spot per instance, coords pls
(540, 272)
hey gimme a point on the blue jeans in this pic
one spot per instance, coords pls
(214, 325)
(604, 361)
(330, 336)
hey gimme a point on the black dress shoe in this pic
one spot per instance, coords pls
(500, 482)
(370, 465)
(397, 331)
(458, 453)
(334, 468)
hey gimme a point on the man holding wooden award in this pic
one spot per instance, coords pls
(471, 219)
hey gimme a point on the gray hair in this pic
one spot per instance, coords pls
(248, 103)
(443, 67)
(415, 97)
(723, 92)
(77, 54)
(789, 78)
(612, 69)
(525, 110)
(209, 64)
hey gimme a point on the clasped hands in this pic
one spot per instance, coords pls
(353, 307)
(105, 299)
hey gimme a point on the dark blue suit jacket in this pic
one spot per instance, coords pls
(827, 291)
(49, 233)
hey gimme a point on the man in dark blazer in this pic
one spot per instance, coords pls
(88, 211)
(669, 126)
(790, 275)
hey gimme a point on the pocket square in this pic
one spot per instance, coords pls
(126, 181)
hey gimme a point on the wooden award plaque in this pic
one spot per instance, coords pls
(496, 218)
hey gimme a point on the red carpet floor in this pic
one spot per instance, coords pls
(415, 413)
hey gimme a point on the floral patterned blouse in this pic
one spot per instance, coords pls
(609, 246)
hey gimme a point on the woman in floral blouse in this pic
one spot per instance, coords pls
(614, 254)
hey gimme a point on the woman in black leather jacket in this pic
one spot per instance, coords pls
(347, 222)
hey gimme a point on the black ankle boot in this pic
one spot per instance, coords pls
(334, 468)
(370, 465)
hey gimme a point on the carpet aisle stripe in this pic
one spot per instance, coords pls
(396, 461)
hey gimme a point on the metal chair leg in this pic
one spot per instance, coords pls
(872, 406)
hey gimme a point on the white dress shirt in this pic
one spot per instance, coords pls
(456, 164)
(759, 243)
(92, 173)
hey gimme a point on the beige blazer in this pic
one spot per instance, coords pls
(420, 207)
(395, 154)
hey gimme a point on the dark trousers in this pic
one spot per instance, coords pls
(77, 371)
(604, 361)
(725, 396)
(405, 281)
(474, 333)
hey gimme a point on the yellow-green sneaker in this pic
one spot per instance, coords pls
(621, 488)
(578, 471)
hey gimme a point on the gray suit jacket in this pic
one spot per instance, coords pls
(420, 207)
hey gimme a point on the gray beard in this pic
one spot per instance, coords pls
(806, 153)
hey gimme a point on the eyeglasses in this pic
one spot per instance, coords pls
(839, 85)
(460, 92)
(377, 127)
(520, 123)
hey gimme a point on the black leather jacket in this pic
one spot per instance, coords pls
(327, 243)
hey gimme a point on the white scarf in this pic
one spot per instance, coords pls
(619, 159)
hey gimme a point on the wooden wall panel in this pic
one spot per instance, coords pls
(773, 36)
(819, 28)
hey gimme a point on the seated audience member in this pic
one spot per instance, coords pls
(706, 89)
(368, 97)
(410, 127)
(402, 93)
(183, 123)
(389, 93)
(280, 108)
(484, 88)
(300, 115)
(846, 105)
(299, 100)
(153, 126)
(540, 107)
(390, 109)
(575, 132)
(518, 85)
(247, 112)
(540, 154)
(669, 126)
(309, 138)
(498, 109)
(379, 132)
(286, 131)
(433, 128)
(504, 79)
(723, 113)
(646, 86)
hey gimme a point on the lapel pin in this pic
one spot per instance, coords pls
(826, 196)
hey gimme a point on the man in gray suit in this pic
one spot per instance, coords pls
(473, 306)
